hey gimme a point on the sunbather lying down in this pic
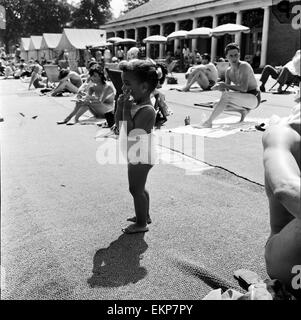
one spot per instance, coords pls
(98, 99)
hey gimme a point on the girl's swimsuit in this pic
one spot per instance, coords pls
(144, 150)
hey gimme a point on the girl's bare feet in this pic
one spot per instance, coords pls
(134, 228)
(134, 219)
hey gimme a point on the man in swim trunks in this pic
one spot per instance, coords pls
(205, 74)
(244, 95)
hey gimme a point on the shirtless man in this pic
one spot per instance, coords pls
(282, 181)
(70, 81)
(205, 74)
(244, 95)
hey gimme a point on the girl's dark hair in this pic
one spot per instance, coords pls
(143, 70)
(99, 70)
(63, 73)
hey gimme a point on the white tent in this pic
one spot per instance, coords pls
(24, 48)
(74, 40)
(49, 42)
(34, 47)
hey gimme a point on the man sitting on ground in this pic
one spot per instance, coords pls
(70, 81)
(205, 74)
(36, 76)
(284, 75)
(244, 95)
(99, 99)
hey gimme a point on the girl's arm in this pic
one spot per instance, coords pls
(118, 113)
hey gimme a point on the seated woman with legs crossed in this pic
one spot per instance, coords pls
(99, 100)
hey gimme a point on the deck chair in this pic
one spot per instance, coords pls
(115, 77)
(294, 82)
(52, 73)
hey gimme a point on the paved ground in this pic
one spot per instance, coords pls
(62, 212)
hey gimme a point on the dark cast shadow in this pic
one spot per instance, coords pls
(119, 264)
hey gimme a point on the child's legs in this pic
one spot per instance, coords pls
(137, 175)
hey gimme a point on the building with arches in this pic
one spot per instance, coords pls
(275, 28)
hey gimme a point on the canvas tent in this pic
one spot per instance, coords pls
(75, 42)
(34, 47)
(24, 48)
(49, 42)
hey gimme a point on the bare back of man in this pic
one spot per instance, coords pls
(282, 180)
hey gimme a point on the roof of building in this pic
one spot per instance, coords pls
(81, 38)
(159, 6)
(25, 44)
(50, 40)
(35, 43)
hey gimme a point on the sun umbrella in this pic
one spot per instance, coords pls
(199, 33)
(180, 34)
(114, 39)
(229, 28)
(102, 45)
(125, 41)
(156, 39)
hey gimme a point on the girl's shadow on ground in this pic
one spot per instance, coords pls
(119, 264)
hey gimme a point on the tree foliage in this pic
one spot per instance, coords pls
(91, 14)
(45, 16)
(14, 12)
(35, 17)
(132, 4)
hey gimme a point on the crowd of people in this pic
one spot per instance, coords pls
(134, 110)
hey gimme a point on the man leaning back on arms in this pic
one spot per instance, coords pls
(244, 95)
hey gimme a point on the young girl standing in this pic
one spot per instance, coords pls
(135, 117)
